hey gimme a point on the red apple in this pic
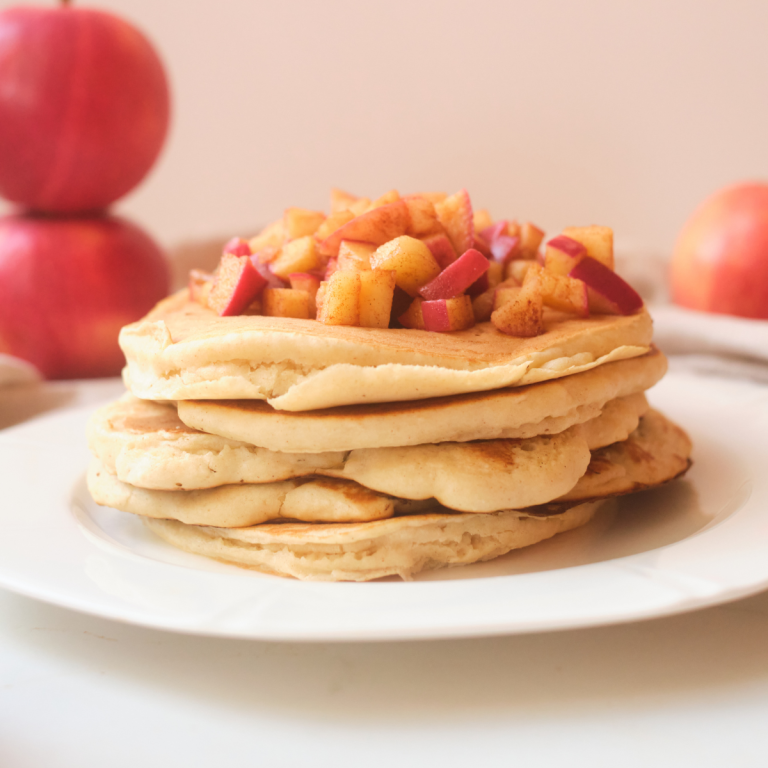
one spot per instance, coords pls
(720, 260)
(563, 254)
(238, 247)
(84, 107)
(456, 277)
(67, 286)
(441, 248)
(608, 293)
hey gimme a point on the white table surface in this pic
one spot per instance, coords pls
(76, 690)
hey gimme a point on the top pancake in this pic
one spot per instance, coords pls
(184, 351)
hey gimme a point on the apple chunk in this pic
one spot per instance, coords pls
(286, 302)
(455, 214)
(377, 287)
(298, 255)
(523, 314)
(457, 277)
(376, 226)
(444, 315)
(441, 248)
(608, 293)
(299, 222)
(597, 240)
(238, 247)
(410, 260)
(354, 255)
(310, 284)
(563, 254)
(237, 285)
(559, 291)
(340, 302)
(412, 317)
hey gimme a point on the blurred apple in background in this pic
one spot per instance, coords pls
(84, 107)
(720, 260)
(69, 284)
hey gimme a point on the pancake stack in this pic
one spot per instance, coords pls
(329, 452)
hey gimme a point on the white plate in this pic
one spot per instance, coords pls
(696, 542)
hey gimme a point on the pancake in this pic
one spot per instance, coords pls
(233, 506)
(183, 351)
(401, 546)
(142, 444)
(658, 451)
(514, 412)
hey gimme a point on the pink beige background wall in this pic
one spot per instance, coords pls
(620, 113)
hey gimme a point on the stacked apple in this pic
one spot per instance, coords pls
(424, 261)
(84, 109)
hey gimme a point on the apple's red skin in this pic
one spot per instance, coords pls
(720, 261)
(67, 286)
(84, 108)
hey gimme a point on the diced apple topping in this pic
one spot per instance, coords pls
(523, 314)
(607, 292)
(412, 317)
(341, 299)
(457, 277)
(377, 226)
(424, 261)
(271, 236)
(444, 315)
(410, 260)
(299, 222)
(441, 248)
(341, 201)
(481, 220)
(310, 284)
(597, 240)
(455, 214)
(563, 254)
(332, 223)
(355, 255)
(286, 302)
(237, 285)
(298, 255)
(559, 291)
(423, 221)
(238, 247)
(377, 288)
(530, 240)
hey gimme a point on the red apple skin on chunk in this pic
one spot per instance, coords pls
(67, 287)
(597, 240)
(608, 293)
(441, 248)
(720, 259)
(377, 226)
(445, 315)
(84, 108)
(563, 254)
(237, 285)
(455, 214)
(523, 315)
(238, 247)
(270, 278)
(457, 277)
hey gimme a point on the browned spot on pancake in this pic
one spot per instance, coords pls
(598, 464)
(495, 451)
(636, 453)
(154, 423)
(348, 488)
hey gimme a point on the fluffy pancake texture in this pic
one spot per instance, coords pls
(514, 412)
(183, 351)
(401, 546)
(144, 445)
